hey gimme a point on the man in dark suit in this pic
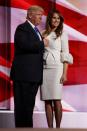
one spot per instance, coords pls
(27, 67)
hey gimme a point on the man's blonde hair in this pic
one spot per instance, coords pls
(34, 8)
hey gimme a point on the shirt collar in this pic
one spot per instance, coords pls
(31, 24)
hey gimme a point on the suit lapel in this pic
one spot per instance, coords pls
(29, 28)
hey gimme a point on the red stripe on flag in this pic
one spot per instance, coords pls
(77, 72)
(74, 19)
(6, 53)
(24, 4)
(5, 88)
(4, 76)
(66, 110)
(4, 62)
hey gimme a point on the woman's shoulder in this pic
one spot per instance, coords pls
(64, 35)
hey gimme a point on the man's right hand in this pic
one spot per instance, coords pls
(46, 42)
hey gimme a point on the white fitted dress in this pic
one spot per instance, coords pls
(55, 55)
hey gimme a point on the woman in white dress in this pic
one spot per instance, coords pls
(56, 59)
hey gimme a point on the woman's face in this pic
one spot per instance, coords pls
(55, 20)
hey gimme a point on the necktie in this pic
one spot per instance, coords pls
(37, 31)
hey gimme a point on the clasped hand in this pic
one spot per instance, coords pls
(46, 42)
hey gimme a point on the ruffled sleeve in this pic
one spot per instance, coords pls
(65, 54)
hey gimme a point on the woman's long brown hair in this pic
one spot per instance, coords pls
(59, 29)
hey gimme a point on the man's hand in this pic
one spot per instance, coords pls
(46, 42)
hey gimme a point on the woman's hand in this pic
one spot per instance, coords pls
(63, 79)
(64, 75)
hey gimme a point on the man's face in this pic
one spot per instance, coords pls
(36, 17)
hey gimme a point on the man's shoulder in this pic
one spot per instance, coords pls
(22, 25)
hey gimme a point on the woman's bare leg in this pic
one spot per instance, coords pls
(58, 112)
(49, 113)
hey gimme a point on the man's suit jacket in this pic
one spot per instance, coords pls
(28, 57)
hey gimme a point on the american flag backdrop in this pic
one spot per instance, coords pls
(12, 13)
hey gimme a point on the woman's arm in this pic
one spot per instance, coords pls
(64, 75)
